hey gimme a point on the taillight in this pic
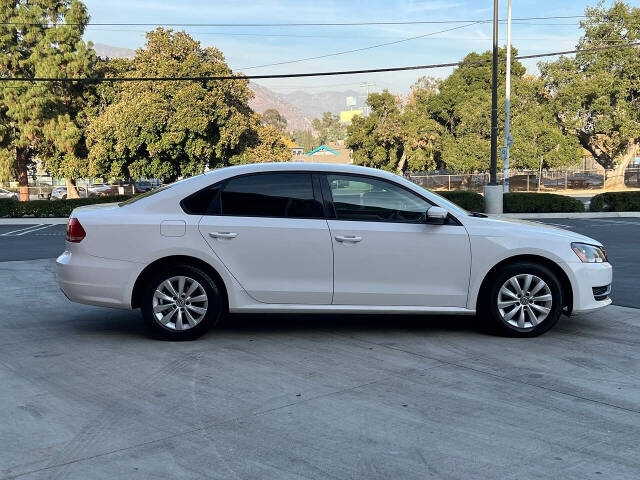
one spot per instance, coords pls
(75, 232)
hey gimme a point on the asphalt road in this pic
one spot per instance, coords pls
(621, 236)
(87, 394)
(31, 241)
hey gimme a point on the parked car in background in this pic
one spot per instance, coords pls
(585, 180)
(305, 238)
(6, 194)
(142, 186)
(101, 190)
(60, 193)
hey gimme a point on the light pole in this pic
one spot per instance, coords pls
(494, 98)
(493, 191)
(508, 140)
(366, 85)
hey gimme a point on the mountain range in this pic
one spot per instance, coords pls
(298, 107)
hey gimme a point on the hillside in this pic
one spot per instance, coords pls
(315, 104)
(109, 51)
(265, 99)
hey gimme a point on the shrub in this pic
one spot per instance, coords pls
(49, 208)
(616, 202)
(471, 201)
(530, 202)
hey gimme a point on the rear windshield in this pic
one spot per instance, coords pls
(144, 195)
(154, 191)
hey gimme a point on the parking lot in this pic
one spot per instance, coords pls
(86, 393)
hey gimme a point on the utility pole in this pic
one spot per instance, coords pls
(508, 139)
(493, 192)
(494, 99)
(366, 85)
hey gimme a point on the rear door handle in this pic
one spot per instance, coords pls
(223, 234)
(348, 238)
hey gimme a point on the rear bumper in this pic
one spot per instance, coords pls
(96, 281)
(586, 277)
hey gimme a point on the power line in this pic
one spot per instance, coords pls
(296, 35)
(302, 75)
(370, 47)
(295, 24)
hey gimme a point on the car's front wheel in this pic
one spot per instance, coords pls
(522, 299)
(181, 302)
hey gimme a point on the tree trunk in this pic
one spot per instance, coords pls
(72, 189)
(402, 162)
(615, 178)
(21, 171)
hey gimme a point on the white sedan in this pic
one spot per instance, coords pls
(294, 237)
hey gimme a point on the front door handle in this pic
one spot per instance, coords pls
(348, 238)
(223, 234)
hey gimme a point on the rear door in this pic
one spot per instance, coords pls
(270, 232)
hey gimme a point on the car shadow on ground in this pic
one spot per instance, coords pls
(130, 323)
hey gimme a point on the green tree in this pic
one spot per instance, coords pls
(378, 140)
(271, 117)
(462, 106)
(306, 140)
(45, 119)
(456, 113)
(595, 96)
(173, 129)
(329, 128)
(539, 140)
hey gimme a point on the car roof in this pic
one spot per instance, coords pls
(227, 172)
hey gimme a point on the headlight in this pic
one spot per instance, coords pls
(589, 253)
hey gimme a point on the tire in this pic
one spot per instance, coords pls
(545, 295)
(181, 318)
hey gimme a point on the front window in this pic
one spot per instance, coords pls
(372, 200)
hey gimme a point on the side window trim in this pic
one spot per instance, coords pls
(326, 197)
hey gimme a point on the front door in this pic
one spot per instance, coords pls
(272, 236)
(385, 253)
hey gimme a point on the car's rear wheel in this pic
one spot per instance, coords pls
(521, 299)
(181, 302)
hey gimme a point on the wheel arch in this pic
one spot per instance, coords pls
(164, 262)
(563, 278)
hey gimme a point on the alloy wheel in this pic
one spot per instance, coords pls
(524, 301)
(180, 303)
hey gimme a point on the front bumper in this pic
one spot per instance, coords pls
(96, 281)
(586, 276)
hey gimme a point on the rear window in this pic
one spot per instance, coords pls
(144, 195)
(287, 195)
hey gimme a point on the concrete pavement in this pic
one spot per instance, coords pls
(86, 393)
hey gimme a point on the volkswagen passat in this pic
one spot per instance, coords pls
(322, 238)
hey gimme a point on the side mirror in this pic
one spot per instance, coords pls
(437, 216)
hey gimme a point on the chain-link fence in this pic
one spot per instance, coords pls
(526, 180)
(51, 191)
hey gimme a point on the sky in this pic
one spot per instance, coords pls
(247, 47)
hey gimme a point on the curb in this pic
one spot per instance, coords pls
(531, 216)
